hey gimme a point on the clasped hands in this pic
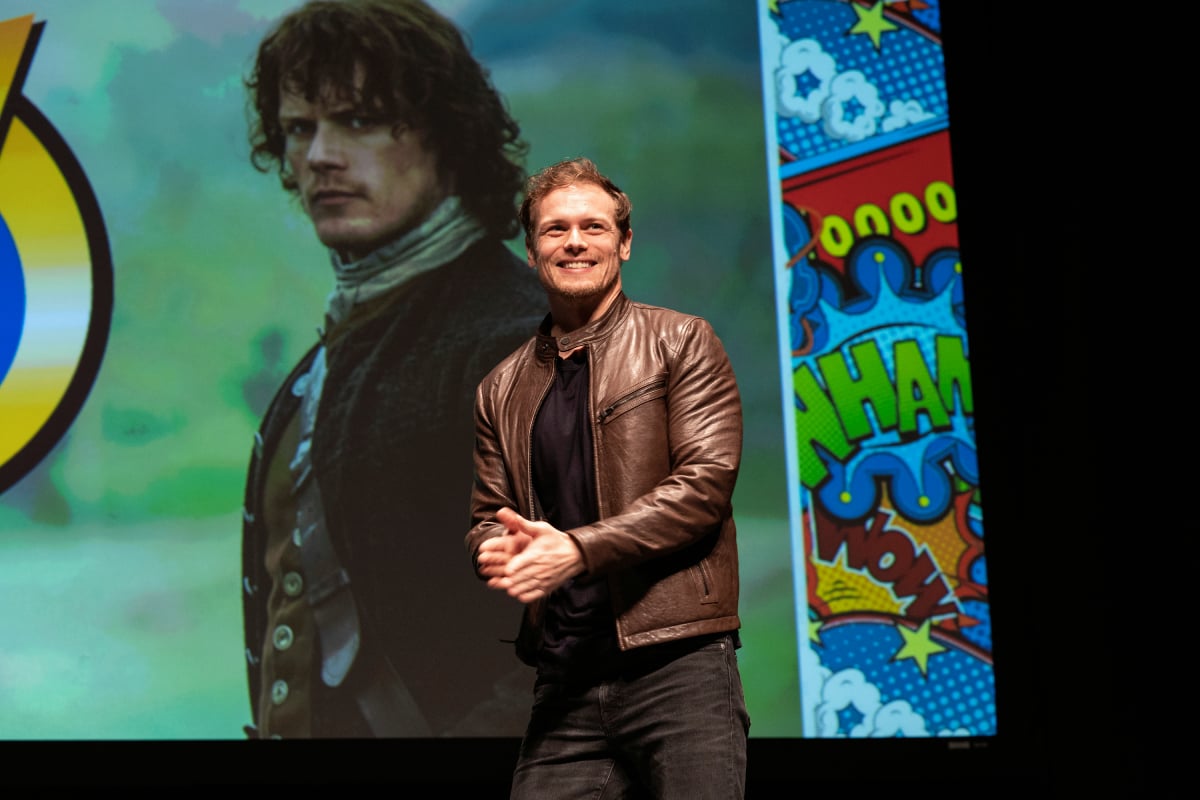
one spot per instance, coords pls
(530, 560)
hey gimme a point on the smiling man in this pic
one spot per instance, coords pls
(607, 449)
(359, 618)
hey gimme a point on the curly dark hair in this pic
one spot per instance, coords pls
(415, 66)
(563, 174)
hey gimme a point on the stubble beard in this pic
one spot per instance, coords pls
(578, 295)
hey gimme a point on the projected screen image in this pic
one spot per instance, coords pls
(161, 298)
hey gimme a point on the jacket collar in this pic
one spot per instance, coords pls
(548, 346)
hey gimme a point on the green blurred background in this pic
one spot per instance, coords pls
(120, 613)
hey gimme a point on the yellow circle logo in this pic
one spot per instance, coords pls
(56, 281)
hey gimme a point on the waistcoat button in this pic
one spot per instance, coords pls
(293, 584)
(282, 638)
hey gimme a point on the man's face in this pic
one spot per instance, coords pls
(577, 248)
(363, 180)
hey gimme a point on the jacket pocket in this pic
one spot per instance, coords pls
(650, 389)
(704, 582)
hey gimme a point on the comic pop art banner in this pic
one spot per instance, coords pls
(892, 602)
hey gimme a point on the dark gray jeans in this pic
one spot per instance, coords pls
(673, 724)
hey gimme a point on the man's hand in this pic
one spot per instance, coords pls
(494, 554)
(531, 560)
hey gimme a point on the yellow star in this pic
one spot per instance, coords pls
(918, 645)
(871, 22)
(773, 6)
(814, 630)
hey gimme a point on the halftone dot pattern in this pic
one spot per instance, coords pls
(957, 694)
(907, 66)
(931, 16)
(848, 717)
(979, 634)
(978, 570)
(919, 315)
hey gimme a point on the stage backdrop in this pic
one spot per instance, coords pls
(790, 175)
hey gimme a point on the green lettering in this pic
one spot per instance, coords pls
(953, 370)
(916, 391)
(869, 218)
(816, 423)
(836, 236)
(851, 395)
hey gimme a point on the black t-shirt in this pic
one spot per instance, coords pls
(579, 635)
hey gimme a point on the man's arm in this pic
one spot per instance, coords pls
(704, 418)
(492, 489)
(524, 558)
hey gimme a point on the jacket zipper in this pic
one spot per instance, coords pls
(534, 508)
(612, 408)
(600, 506)
(705, 584)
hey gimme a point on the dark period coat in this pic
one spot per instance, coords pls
(392, 455)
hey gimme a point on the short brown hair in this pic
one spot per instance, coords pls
(415, 67)
(563, 174)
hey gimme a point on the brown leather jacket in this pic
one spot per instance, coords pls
(667, 426)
